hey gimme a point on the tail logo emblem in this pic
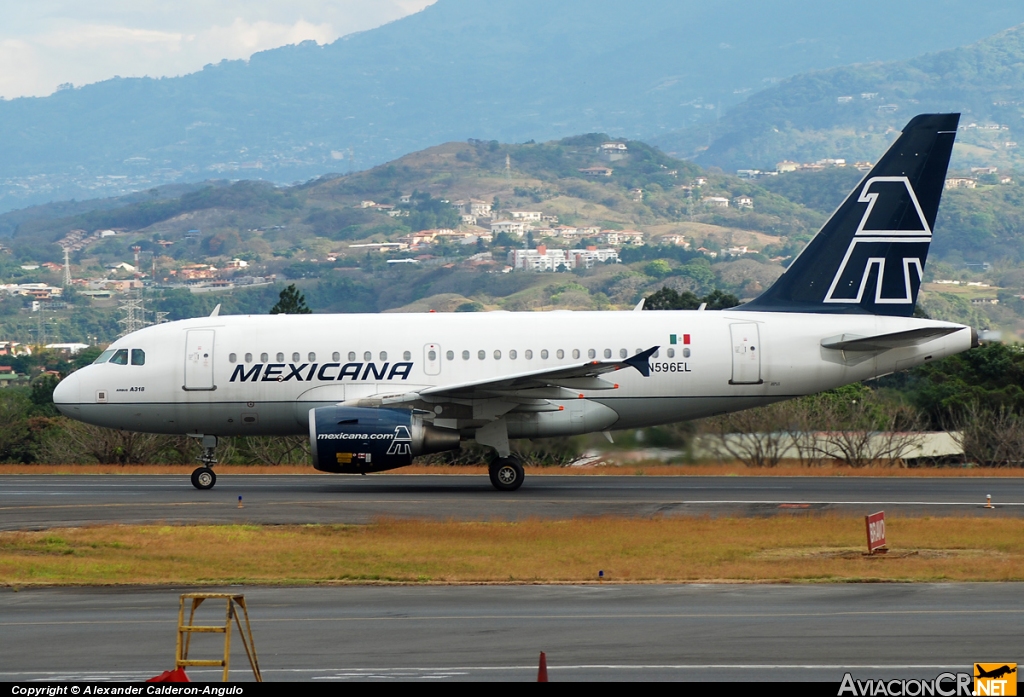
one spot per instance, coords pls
(878, 239)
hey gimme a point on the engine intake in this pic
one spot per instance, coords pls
(357, 439)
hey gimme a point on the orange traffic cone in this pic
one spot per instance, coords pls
(176, 675)
(542, 671)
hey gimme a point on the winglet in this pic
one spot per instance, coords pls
(639, 305)
(641, 361)
(216, 311)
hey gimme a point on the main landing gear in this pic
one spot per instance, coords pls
(506, 469)
(204, 477)
(506, 473)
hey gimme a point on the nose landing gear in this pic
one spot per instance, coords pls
(204, 477)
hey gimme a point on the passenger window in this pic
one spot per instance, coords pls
(280, 358)
(513, 355)
(311, 357)
(497, 355)
(367, 356)
(407, 356)
(623, 353)
(450, 355)
(560, 353)
(264, 358)
(686, 353)
(671, 353)
(575, 353)
(481, 354)
(465, 355)
(232, 357)
(383, 355)
(431, 355)
(656, 354)
(351, 355)
(607, 353)
(591, 353)
(120, 357)
(544, 354)
(335, 356)
(638, 352)
(296, 357)
(139, 357)
(248, 358)
(528, 354)
(104, 357)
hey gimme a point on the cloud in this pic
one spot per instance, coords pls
(52, 42)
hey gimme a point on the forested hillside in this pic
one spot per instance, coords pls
(853, 111)
(316, 235)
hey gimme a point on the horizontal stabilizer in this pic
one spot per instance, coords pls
(884, 342)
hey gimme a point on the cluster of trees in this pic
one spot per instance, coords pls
(853, 425)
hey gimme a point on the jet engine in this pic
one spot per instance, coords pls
(357, 439)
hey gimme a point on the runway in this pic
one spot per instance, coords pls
(39, 502)
(691, 632)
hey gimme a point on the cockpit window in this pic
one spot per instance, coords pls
(138, 357)
(104, 357)
(120, 357)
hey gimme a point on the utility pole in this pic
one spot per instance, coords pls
(67, 268)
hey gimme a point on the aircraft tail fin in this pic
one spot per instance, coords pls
(869, 257)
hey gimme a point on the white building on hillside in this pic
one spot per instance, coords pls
(544, 259)
(517, 228)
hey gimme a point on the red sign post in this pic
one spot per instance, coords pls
(875, 524)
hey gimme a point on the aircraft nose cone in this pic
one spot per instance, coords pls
(67, 392)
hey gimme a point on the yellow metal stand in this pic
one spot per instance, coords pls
(185, 632)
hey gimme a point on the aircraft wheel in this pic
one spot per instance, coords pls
(203, 478)
(506, 474)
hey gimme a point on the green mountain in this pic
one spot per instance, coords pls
(852, 112)
(314, 234)
(511, 70)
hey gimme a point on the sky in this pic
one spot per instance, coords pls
(47, 43)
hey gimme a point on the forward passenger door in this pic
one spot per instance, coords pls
(199, 359)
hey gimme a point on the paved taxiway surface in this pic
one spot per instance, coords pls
(36, 502)
(694, 632)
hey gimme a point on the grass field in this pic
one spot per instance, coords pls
(780, 549)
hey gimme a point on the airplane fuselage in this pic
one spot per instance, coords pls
(260, 375)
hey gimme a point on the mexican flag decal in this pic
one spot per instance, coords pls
(683, 339)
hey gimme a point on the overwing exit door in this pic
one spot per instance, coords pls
(199, 359)
(746, 354)
(432, 359)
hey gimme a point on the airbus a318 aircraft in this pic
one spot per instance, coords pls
(375, 391)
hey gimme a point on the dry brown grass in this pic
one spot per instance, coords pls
(637, 468)
(781, 549)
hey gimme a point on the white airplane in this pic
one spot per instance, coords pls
(374, 391)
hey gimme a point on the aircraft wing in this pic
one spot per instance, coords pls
(550, 383)
(884, 342)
